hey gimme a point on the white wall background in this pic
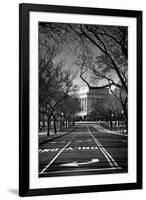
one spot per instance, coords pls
(9, 118)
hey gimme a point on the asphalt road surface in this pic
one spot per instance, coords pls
(89, 149)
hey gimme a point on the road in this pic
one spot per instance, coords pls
(89, 149)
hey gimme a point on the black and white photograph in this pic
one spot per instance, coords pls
(83, 99)
(80, 100)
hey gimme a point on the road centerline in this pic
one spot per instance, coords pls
(109, 158)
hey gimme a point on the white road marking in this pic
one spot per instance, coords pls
(88, 140)
(55, 158)
(83, 141)
(58, 142)
(115, 163)
(57, 155)
(110, 163)
(68, 149)
(96, 147)
(106, 154)
(77, 164)
(83, 170)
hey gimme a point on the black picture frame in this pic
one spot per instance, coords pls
(24, 105)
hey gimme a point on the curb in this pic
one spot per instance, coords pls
(56, 136)
(113, 132)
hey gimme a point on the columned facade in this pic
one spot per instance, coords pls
(88, 97)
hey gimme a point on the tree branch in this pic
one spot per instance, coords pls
(104, 51)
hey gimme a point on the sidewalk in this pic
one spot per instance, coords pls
(112, 132)
(43, 138)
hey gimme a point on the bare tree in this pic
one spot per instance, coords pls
(69, 107)
(55, 83)
(103, 55)
(109, 66)
(107, 110)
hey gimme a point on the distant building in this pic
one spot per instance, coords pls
(88, 97)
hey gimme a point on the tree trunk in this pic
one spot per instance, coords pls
(111, 123)
(48, 130)
(54, 121)
(43, 121)
(60, 125)
(125, 116)
(126, 123)
(73, 121)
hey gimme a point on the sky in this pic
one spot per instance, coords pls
(69, 59)
(69, 54)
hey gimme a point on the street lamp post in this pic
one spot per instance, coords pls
(62, 121)
(122, 119)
